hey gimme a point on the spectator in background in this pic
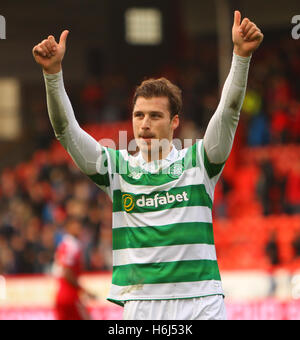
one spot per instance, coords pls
(270, 188)
(253, 102)
(257, 121)
(264, 185)
(280, 133)
(280, 90)
(7, 259)
(92, 97)
(296, 244)
(292, 196)
(272, 253)
(280, 96)
(259, 131)
(47, 248)
(295, 121)
(220, 198)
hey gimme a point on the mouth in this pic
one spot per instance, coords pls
(147, 139)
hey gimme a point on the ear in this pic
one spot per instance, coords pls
(175, 122)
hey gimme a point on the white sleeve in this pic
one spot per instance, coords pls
(219, 136)
(84, 150)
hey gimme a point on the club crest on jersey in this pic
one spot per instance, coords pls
(176, 170)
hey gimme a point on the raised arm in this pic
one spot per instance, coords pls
(219, 136)
(84, 150)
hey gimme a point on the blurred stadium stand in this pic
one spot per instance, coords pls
(257, 201)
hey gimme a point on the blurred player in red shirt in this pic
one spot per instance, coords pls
(68, 305)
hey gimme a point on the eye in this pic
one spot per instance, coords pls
(155, 115)
(138, 114)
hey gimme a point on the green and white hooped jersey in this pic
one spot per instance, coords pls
(163, 242)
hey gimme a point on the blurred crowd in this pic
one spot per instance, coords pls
(38, 196)
(271, 111)
(36, 200)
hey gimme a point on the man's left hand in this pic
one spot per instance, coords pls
(246, 36)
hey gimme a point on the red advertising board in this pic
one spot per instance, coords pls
(31, 298)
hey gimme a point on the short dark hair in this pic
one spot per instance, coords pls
(161, 87)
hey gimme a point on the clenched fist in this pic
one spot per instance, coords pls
(49, 54)
(246, 36)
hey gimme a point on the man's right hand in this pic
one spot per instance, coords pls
(49, 54)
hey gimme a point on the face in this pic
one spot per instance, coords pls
(153, 127)
(74, 228)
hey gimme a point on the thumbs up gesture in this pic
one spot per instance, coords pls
(49, 54)
(246, 36)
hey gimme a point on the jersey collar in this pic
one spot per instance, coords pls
(172, 156)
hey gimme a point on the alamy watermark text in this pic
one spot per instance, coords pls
(296, 29)
(2, 27)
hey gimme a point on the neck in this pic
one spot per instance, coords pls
(150, 156)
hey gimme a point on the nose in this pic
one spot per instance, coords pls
(145, 123)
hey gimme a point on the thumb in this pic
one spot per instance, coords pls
(63, 38)
(237, 18)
